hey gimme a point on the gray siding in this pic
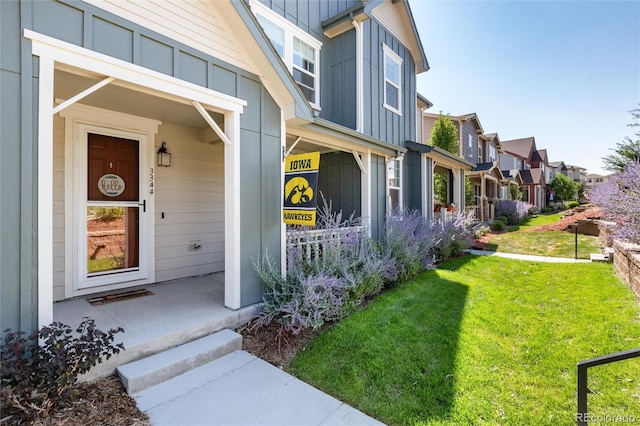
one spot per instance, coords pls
(92, 28)
(339, 181)
(379, 122)
(470, 155)
(378, 197)
(412, 180)
(338, 86)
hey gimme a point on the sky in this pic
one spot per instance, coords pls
(565, 72)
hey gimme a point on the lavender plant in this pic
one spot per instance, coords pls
(514, 210)
(453, 236)
(620, 200)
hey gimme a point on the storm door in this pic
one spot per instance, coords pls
(111, 250)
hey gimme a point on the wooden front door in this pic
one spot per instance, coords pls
(113, 207)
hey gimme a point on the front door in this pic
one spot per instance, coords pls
(113, 209)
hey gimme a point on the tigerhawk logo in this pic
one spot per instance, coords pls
(298, 191)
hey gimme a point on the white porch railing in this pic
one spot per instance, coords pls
(313, 241)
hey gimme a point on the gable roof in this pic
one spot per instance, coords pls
(558, 164)
(532, 176)
(394, 15)
(520, 147)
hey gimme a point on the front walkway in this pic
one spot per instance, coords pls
(528, 257)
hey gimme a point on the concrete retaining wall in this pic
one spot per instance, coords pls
(626, 261)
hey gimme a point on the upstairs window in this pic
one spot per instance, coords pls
(470, 148)
(392, 80)
(299, 51)
(492, 153)
(480, 155)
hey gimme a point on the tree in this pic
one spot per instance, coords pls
(564, 188)
(444, 135)
(627, 152)
(620, 200)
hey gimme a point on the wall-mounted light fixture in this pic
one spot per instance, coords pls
(164, 158)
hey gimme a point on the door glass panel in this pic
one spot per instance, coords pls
(112, 238)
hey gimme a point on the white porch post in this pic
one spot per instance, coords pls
(45, 192)
(483, 191)
(365, 185)
(463, 192)
(232, 276)
(427, 182)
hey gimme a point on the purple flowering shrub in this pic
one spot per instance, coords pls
(453, 236)
(410, 240)
(514, 210)
(619, 199)
(326, 283)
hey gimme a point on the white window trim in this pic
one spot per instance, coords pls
(388, 53)
(398, 188)
(290, 30)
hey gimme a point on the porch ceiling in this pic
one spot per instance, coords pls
(127, 100)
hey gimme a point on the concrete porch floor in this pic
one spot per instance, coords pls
(178, 312)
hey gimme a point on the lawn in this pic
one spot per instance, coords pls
(548, 243)
(483, 340)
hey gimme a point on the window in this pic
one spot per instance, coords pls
(299, 51)
(393, 176)
(470, 143)
(480, 154)
(492, 153)
(392, 80)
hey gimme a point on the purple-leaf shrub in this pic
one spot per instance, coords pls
(514, 210)
(619, 199)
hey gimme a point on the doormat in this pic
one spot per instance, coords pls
(116, 297)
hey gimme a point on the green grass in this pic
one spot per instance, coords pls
(549, 243)
(483, 341)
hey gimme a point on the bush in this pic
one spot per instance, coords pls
(452, 236)
(498, 225)
(482, 231)
(37, 377)
(620, 200)
(108, 214)
(572, 204)
(513, 211)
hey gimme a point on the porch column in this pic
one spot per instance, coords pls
(45, 192)
(463, 191)
(232, 261)
(365, 185)
(483, 192)
(427, 184)
(455, 197)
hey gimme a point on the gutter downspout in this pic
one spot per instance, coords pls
(359, 76)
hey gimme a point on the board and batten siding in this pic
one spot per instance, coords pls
(469, 129)
(196, 23)
(380, 122)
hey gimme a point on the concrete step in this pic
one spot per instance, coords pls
(147, 372)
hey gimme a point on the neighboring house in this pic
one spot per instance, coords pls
(95, 92)
(557, 168)
(594, 180)
(487, 178)
(577, 173)
(522, 155)
(469, 131)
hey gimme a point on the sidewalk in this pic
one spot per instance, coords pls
(241, 389)
(528, 257)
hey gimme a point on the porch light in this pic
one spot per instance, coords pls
(164, 157)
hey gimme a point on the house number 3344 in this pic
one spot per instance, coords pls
(151, 180)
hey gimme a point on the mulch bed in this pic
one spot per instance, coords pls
(564, 223)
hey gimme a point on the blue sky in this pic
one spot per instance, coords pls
(565, 72)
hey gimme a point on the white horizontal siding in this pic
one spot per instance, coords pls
(190, 193)
(196, 23)
(58, 209)
(389, 18)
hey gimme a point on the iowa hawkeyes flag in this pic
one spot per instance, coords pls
(300, 189)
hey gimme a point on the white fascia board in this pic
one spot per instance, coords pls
(122, 71)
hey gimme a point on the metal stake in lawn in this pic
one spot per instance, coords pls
(578, 225)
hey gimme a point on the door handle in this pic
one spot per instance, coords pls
(144, 206)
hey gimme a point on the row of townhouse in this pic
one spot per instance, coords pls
(175, 118)
(500, 167)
